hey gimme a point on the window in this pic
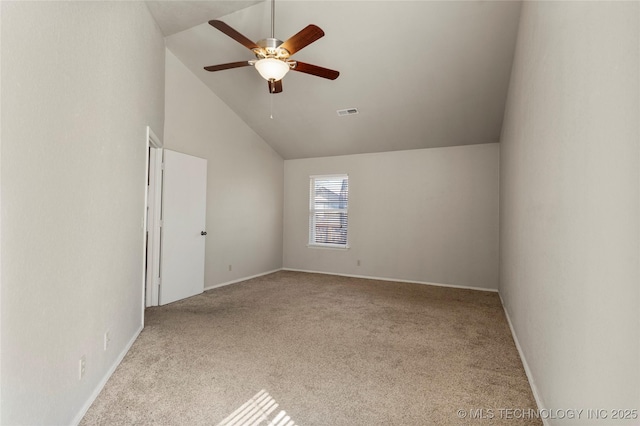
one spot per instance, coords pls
(328, 216)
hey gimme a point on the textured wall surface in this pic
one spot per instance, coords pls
(427, 215)
(244, 178)
(570, 203)
(80, 83)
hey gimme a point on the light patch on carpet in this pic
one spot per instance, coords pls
(256, 411)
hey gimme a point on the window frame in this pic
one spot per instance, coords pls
(312, 213)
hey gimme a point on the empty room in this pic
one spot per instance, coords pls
(319, 212)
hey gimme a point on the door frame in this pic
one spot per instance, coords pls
(152, 217)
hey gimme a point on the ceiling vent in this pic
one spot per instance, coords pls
(348, 111)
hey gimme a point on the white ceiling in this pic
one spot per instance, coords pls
(422, 73)
(175, 16)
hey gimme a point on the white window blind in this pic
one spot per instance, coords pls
(328, 210)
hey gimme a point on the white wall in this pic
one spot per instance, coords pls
(80, 83)
(570, 208)
(427, 215)
(244, 178)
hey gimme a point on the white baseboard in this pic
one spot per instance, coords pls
(527, 370)
(393, 280)
(106, 377)
(211, 287)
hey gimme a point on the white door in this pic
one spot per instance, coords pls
(184, 196)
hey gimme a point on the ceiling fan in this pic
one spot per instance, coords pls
(273, 55)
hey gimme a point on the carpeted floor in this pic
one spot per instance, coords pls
(328, 350)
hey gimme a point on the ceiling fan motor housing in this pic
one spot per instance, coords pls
(270, 48)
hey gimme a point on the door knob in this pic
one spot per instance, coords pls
(203, 233)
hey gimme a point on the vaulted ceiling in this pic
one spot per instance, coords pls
(421, 73)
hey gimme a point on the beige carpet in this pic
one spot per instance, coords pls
(328, 351)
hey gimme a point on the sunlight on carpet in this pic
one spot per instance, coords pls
(256, 411)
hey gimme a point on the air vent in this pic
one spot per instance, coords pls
(348, 111)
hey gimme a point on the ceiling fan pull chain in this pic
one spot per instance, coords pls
(271, 99)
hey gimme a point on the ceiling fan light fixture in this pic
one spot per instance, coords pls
(272, 69)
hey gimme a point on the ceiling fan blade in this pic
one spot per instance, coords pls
(219, 25)
(227, 66)
(275, 86)
(305, 37)
(316, 70)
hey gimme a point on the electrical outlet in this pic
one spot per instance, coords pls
(82, 367)
(358, 262)
(230, 268)
(107, 339)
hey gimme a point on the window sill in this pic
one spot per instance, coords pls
(327, 247)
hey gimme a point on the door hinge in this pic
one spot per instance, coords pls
(162, 166)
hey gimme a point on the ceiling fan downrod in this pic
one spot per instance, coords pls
(273, 18)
